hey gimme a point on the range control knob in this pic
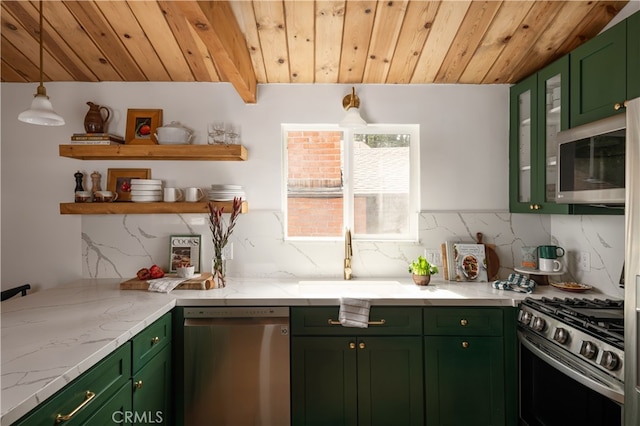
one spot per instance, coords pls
(525, 317)
(610, 361)
(561, 335)
(538, 324)
(588, 350)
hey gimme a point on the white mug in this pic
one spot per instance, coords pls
(193, 195)
(549, 265)
(171, 195)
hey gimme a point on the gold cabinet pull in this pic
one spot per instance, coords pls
(618, 106)
(352, 345)
(88, 396)
(463, 322)
(138, 384)
(361, 345)
(380, 322)
(155, 340)
(465, 345)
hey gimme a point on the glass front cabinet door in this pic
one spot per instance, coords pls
(538, 112)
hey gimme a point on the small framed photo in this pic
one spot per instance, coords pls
(142, 125)
(184, 250)
(119, 181)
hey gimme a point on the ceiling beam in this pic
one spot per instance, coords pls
(218, 29)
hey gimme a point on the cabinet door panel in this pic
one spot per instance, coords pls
(464, 385)
(633, 56)
(323, 381)
(390, 390)
(599, 76)
(115, 411)
(152, 390)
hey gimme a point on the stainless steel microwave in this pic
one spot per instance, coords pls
(591, 163)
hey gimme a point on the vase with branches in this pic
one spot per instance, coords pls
(220, 233)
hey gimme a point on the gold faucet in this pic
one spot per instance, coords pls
(348, 252)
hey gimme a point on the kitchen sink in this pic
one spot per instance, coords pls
(354, 287)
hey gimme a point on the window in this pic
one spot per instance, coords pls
(366, 180)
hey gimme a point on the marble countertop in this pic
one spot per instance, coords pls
(51, 337)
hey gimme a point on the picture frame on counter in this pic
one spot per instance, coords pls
(119, 181)
(142, 125)
(184, 250)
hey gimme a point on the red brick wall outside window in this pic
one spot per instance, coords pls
(314, 183)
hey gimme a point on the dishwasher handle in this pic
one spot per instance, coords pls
(258, 321)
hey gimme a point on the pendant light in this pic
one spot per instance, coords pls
(41, 111)
(351, 103)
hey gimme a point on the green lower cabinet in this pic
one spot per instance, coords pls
(357, 381)
(323, 381)
(464, 380)
(152, 390)
(81, 400)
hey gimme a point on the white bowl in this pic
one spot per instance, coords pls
(146, 192)
(226, 187)
(146, 182)
(145, 198)
(146, 187)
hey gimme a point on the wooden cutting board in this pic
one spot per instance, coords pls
(493, 262)
(202, 282)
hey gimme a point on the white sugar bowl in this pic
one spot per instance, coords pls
(174, 133)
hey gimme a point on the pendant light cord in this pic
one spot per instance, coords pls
(41, 89)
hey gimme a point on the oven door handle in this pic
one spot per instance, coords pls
(612, 391)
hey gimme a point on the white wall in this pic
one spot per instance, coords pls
(464, 157)
(464, 138)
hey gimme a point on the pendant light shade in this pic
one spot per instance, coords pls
(41, 111)
(351, 103)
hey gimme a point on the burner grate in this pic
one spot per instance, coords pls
(601, 318)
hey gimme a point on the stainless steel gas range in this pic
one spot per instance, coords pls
(571, 361)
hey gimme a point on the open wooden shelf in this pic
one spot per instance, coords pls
(155, 152)
(145, 208)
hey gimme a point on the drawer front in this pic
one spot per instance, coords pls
(463, 321)
(323, 320)
(103, 381)
(150, 341)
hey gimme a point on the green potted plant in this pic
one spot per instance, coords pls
(422, 270)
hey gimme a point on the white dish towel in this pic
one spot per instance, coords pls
(354, 312)
(165, 285)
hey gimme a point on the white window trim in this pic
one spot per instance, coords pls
(414, 179)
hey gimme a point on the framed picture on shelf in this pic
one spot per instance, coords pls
(184, 250)
(119, 181)
(142, 125)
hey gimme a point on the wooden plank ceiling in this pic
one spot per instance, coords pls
(296, 41)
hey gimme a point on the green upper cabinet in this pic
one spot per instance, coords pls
(599, 76)
(633, 56)
(538, 110)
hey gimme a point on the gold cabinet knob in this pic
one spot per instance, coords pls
(465, 345)
(138, 384)
(155, 340)
(463, 322)
(530, 206)
(352, 345)
(361, 345)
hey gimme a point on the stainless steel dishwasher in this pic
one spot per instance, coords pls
(236, 362)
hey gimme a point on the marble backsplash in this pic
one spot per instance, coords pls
(116, 246)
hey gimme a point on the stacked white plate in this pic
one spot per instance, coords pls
(225, 192)
(146, 190)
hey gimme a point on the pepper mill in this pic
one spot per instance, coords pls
(79, 176)
(95, 182)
